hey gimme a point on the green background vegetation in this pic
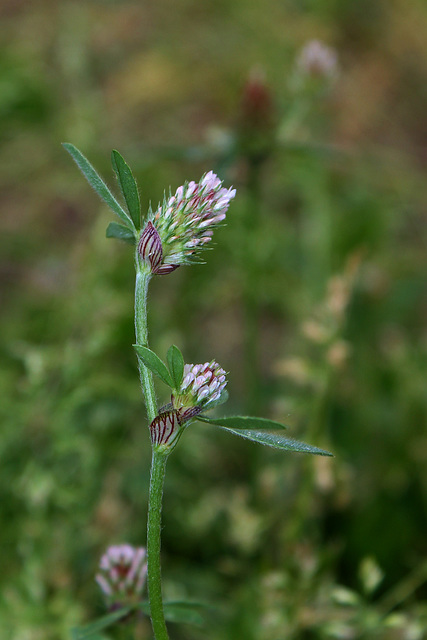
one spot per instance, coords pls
(314, 300)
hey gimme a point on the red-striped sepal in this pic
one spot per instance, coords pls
(165, 428)
(151, 251)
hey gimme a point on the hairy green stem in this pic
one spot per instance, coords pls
(158, 462)
(141, 332)
(158, 467)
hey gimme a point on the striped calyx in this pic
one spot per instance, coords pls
(168, 426)
(151, 251)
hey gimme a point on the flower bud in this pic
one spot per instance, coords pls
(184, 224)
(122, 573)
(256, 121)
(151, 251)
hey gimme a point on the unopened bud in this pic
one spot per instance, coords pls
(256, 102)
(151, 251)
(256, 121)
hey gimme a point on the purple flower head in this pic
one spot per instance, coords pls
(202, 385)
(184, 224)
(122, 573)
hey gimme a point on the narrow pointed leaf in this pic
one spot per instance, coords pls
(216, 403)
(186, 612)
(128, 187)
(277, 441)
(176, 365)
(119, 231)
(180, 611)
(97, 183)
(243, 422)
(89, 630)
(153, 362)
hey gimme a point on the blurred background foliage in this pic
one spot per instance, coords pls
(314, 300)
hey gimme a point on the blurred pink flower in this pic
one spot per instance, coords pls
(122, 573)
(316, 59)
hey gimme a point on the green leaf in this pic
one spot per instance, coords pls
(119, 231)
(243, 422)
(89, 630)
(180, 611)
(97, 183)
(153, 362)
(216, 403)
(188, 612)
(176, 365)
(128, 187)
(277, 441)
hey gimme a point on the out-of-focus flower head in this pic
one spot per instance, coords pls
(317, 60)
(256, 101)
(184, 224)
(257, 117)
(122, 574)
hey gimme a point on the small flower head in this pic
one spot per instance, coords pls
(184, 224)
(317, 60)
(202, 385)
(122, 573)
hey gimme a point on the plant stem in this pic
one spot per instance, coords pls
(158, 462)
(251, 329)
(158, 466)
(141, 333)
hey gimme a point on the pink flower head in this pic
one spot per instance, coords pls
(202, 385)
(316, 59)
(122, 573)
(184, 224)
